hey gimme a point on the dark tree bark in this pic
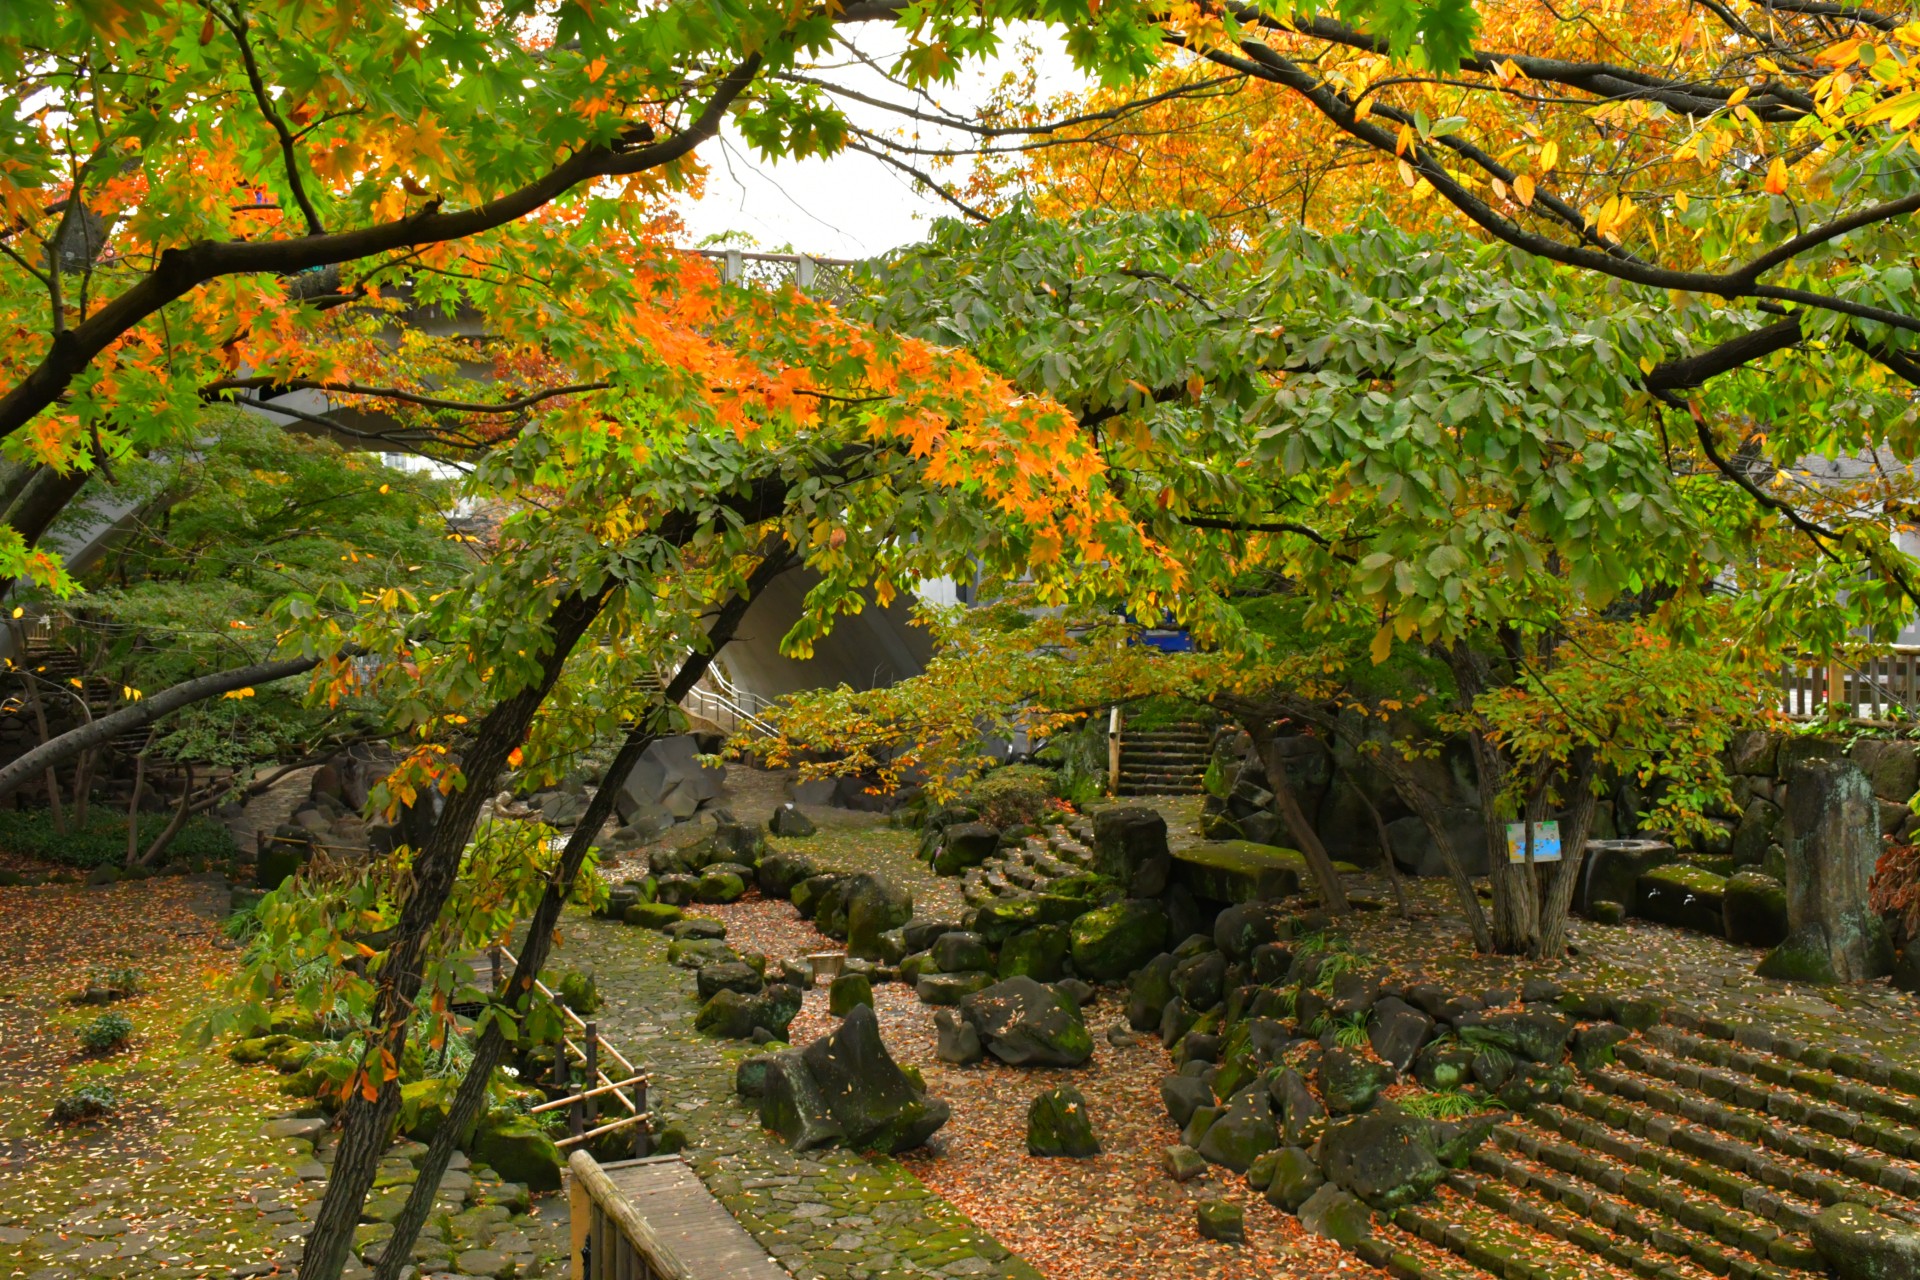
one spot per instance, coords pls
(367, 1122)
(135, 715)
(488, 1051)
(1258, 722)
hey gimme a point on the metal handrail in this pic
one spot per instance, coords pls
(611, 1240)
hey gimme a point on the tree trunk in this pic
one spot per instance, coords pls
(1333, 894)
(471, 1096)
(1558, 901)
(1386, 847)
(83, 786)
(367, 1122)
(1416, 798)
(174, 824)
(40, 723)
(133, 805)
(40, 502)
(136, 715)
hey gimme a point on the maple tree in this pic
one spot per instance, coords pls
(1448, 443)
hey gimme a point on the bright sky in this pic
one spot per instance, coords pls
(853, 206)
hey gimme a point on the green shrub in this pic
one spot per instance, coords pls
(106, 1033)
(1013, 795)
(84, 1103)
(103, 841)
(1440, 1104)
(107, 983)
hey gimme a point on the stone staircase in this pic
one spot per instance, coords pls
(1167, 761)
(1706, 1149)
(1029, 868)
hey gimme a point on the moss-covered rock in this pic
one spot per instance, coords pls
(1754, 910)
(1294, 1179)
(1112, 942)
(651, 915)
(1039, 953)
(1858, 1243)
(517, 1149)
(717, 885)
(849, 990)
(1221, 1220)
(1239, 871)
(1058, 1125)
(1684, 896)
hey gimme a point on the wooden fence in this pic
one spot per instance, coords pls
(611, 1239)
(1884, 686)
(587, 1048)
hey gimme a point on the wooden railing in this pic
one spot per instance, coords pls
(587, 1047)
(611, 1241)
(1880, 687)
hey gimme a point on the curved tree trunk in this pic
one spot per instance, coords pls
(1333, 894)
(367, 1122)
(490, 1049)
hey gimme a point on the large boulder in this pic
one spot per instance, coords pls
(780, 872)
(736, 1016)
(874, 910)
(1113, 941)
(1535, 1034)
(1336, 1215)
(1385, 1157)
(790, 822)
(1023, 1022)
(966, 844)
(1302, 1118)
(956, 1040)
(1241, 1133)
(1150, 990)
(1201, 981)
(1129, 845)
(1058, 1125)
(1398, 1032)
(519, 1150)
(792, 1105)
(1239, 871)
(1039, 953)
(961, 950)
(1294, 1179)
(1832, 841)
(1892, 769)
(1857, 1243)
(1243, 927)
(668, 774)
(1350, 1082)
(875, 1103)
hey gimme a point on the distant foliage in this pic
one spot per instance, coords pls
(1895, 891)
(103, 841)
(106, 1033)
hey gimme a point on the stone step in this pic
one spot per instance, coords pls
(1163, 757)
(1404, 1255)
(1686, 1192)
(1856, 1063)
(1155, 789)
(1499, 1246)
(1618, 1221)
(1884, 1100)
(1782, 1153)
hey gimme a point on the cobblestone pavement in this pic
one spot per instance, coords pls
(823, 1215)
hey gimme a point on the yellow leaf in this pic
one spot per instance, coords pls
(1364, 108)
(1680, 201)
(1523, 188)
(1405, 141)
(1549, 156)
(1739, 96)
(1382, 644)
(1776, 184)
(238, 693)
(19, 613)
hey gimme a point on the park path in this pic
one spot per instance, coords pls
(823, 1215)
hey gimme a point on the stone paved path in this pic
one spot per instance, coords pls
(824, 1215)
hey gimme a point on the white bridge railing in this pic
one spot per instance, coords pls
(725, 705)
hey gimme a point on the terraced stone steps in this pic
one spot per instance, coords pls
(1027, 868)
(1171, 761)
(1706, 1149)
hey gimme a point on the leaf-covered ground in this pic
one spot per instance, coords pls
(169, 1183)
